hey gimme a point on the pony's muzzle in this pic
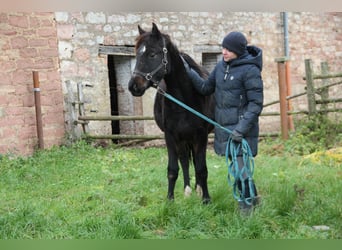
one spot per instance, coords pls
(137, 85)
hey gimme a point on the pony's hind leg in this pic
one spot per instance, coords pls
(201, 175)
(202, 186)
(184, 160)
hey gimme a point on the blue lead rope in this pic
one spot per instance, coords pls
(232, 149)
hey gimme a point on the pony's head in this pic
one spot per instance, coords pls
(152, 60)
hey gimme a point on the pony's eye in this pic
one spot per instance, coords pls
(153, 55)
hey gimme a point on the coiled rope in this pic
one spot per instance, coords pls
(232, 151)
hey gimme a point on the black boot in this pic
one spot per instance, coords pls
(247, 203)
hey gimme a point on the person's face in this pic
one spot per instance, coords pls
(228, 55)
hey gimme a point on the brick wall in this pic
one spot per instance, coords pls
(28, 42)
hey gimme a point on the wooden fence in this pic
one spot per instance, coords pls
(311, 92)
(284, 100)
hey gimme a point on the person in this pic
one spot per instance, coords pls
(237, 84)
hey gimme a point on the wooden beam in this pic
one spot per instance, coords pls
(116, 50)
(114, 118)
(310, 87)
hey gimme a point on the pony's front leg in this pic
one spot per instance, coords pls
(172, 172)
(172, 175)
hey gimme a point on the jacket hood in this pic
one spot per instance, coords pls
(253, 55)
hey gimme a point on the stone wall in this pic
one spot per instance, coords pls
(28, 42)
(311, 35)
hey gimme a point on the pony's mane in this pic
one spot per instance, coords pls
(200, 70)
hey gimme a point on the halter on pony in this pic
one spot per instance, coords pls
(149, 76)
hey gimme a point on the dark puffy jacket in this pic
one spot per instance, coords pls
(238, 88)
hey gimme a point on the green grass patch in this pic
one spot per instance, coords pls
(83, 192)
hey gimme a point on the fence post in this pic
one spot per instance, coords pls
(282, 97)
(289, 93)
(324, 93)
(72, 117)
(81, 106)
(310, 87)
(36, 89)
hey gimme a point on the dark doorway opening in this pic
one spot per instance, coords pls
(114, 104)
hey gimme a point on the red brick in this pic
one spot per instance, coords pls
(28, 52)
(50, 99)
(18, 21)
(47, 32)
(4, 100)
(45, 99)
(53, 118)
(7, 89)
(28, 132)
(24, 88)
(45, 63)
(48, 52)
(7, 32)
(24, 147)
(7, 66)
(59, 99)
(47, 22)
(22, 76)
(49, 86)
(28, 101)
(7, 132)
(5, 79)
(53, 132)
(38, 42)
(54, 75)
(30, 117)
(27, 63)
(11, 121)
(19, 42)
(29, 32)
(34, 22)
(53, 42)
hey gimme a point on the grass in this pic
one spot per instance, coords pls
(83, 192)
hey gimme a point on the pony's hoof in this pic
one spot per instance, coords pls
(206, 201)
(199, 191)
(187, 191)
(170, 197)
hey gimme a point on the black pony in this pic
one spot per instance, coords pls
(159, 64)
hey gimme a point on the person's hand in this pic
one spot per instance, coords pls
(186, 65)
(236, 136)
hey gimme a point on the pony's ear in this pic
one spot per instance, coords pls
(141, 31)
(155, 30)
